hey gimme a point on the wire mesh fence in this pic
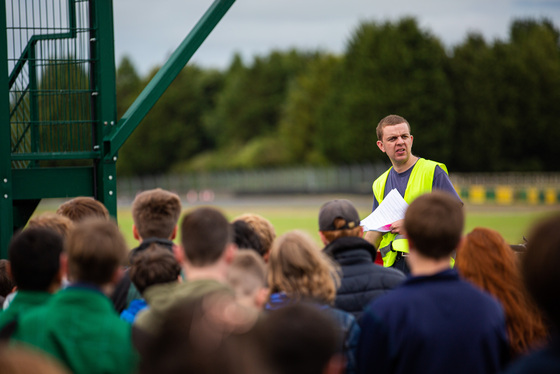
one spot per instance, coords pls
(49, 62)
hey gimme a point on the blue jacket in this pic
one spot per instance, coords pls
(136, 305)
(349, 328)
(433, 324)
(362, 280)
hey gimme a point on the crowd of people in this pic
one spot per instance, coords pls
(77, 300)
(201, 293)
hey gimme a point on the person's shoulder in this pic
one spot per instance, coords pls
(391, 277)
(544, 361)
(383, 175)
(479, 299)
(399, 296)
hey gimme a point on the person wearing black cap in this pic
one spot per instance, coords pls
(362, 280)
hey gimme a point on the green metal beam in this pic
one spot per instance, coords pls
(6, 198)
(165, 76)
(55, 182)
(104, 104)
(55, 156)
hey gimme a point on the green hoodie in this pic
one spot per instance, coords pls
(162, 297)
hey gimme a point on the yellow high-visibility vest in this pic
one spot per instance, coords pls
(420, 182)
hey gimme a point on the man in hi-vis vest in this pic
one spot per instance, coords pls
(412, 176)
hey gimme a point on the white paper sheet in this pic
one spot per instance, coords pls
(391, 209)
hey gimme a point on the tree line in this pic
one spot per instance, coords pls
(478, 106)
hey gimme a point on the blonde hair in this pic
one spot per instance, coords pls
(82, 207)
(263, 228)
(299, 268)
(247, 273)
(56, 222)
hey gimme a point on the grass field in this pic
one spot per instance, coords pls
(300, 212)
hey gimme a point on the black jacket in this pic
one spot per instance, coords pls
(362, 280)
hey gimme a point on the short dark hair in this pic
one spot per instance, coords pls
(434, 223)
(156, 213)
(82, 207)
(154, 265)
(34, 256)
(206, 333)
(390, 120)
(95, 249)
(262, 226)
(205, 233)
(246, 238)
(302, 332)
(540, 265)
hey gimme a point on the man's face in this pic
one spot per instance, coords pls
(396, 143)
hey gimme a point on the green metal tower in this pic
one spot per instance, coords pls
(59, 135)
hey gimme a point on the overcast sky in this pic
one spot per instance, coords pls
(148, 31)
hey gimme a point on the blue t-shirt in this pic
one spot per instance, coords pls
(400, 181)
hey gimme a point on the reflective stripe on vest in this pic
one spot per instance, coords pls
(420, 182)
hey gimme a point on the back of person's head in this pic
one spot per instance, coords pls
(390, 120)
(300, 269)
(299, 339)
(83, 207)
(59, 223)
(154, 265)
(485, 259)
(434, 223)
(155, 213)
(95, 250)
(263, 228)
(7, 283)
(205, 233)
(247, 276)
(339, 218)
(245, 237)
(34, 256)
(540, 266)
(208, 334)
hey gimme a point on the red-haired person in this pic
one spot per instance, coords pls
(486, 260)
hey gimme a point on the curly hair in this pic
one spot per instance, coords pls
(299, 268)
(486, 260)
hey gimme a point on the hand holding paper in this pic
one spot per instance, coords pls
(391, 209)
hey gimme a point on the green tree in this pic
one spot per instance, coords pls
(251, 102)
(528, 97)
(64, 111)
(472, 73)
(299, 121)
(129, 85)
(388, 68)
(173, 130)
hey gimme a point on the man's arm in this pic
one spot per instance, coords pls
(374, 237)
(442, 182)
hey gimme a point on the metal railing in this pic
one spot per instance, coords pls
(503, 188)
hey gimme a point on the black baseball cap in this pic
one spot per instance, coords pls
(334, 209)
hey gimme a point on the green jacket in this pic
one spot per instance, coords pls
(162, 297)
(22, 302)
(80, 327)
